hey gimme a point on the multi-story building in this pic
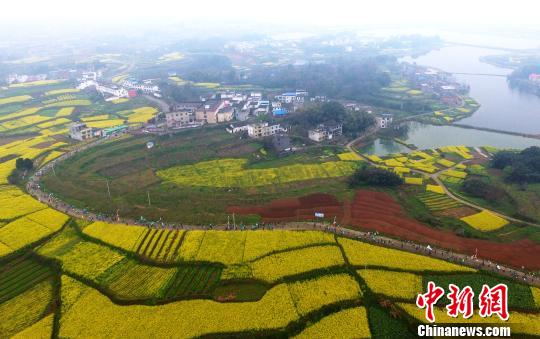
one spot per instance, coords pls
(179, 118)
(263, 129)
(79, 131)
(208, 112)
(384, 120)
(324, 132)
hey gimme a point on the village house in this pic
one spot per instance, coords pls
(325, 132)
(179, 118)
(281, 143)
(237, 128)
(384, 120)
(79, 131)
(207, 112)
(264, 129)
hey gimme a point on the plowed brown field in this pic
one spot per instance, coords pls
(378, 211)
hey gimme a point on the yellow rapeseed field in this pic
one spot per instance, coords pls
(40, 330)
(311, 295)
(91, 314)
(362, 254)
(414, 181)
(274, 267)
(25, 309)
(67, 103)
(88, 259)
(123, 236)
(64, 112)
(393, 284)
(222, 247)
(259, 243)
(435, 188)
(56, 122)
(232, 173)
(105, 123)
(536, 295)
(15, 99)
(349, 156)
(485, 221)
(446, 163)
(346, 324)
(22, 232)
(35, 83)
(15, 203)
(62, 91)
(21, 113)
(142, 114)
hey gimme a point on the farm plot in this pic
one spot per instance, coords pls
(85, 259)
(393, 284)
(437, 201)
(310, 295)
(15, 203)
(25, 309)
(31, 228)
(191, 281)
(365, 255)
(274, 267)
(159, 245)
(348, 323)
(19, 275)
(131, 280)
(15, 99)
(122, 236)
(232, 173)
(485, 221)
(93, 314)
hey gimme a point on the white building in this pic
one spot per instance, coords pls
(79, 131)
(292, 97)
(261, 130)
(323, 132)
(144, 87)
(384, 120)
(232, 128)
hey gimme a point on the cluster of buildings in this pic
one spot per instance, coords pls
(232, 106)
(22, 78)
(432, 81)
(127, 89)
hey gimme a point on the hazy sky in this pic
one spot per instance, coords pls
(324, 13)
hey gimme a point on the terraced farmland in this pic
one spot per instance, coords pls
(437, 202)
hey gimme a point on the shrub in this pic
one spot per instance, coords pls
(374, 176)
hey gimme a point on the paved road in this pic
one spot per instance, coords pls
(34, 188)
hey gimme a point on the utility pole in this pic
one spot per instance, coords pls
(108, 189)
(234, 221)
(148, 193)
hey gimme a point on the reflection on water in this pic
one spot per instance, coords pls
(430, 136)
(382, 147)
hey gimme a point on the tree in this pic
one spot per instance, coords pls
(481, 189)
(24, 164)
(374, 176)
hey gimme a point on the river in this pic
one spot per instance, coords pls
(502, 108)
